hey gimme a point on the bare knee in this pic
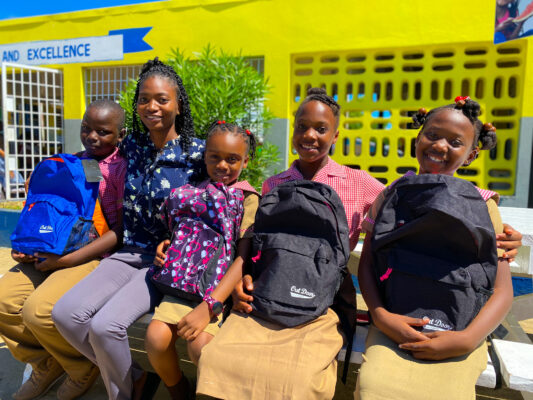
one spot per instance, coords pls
(195, 346)
(160, 336)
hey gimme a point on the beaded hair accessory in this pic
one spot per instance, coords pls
(488, 127)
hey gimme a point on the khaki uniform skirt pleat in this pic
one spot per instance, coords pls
(253, 359)
(387, 372)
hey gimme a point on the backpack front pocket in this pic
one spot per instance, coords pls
(45, 225)
(192, 261)
(294, 277)
(423, 286)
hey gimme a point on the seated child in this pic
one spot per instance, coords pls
(401, 361)
(252, 358)
(228, 148)
(29, 290)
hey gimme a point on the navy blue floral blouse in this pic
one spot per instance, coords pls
(150, 176)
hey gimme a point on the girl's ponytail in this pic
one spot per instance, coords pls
(487, 136)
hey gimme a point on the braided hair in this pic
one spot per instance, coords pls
(223, 126)
(484, 134)
(184, 124)
(319, 94)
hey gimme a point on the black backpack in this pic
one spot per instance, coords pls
(301, 249)
(434, 250)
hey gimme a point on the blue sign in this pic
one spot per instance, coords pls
(133, 39)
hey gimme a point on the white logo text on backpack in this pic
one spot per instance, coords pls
(435, 324)
(301, 293)
(46, 229)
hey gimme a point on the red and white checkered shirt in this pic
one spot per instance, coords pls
(356, 188)
(111, 188)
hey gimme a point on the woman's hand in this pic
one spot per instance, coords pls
(242, 300)
(190, 326)
(160, 252)
(441, 345)
(399, 327)
(510, 240)
(51, 262)
(22, 258)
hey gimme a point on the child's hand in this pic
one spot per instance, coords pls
(510, 240)
(22, 258)
(160, 252)
(241, 299)
(50, 262)
(440, 345)
(504, 25)
(194, 322)
(399, 327)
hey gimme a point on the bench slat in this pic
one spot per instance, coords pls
(516, 364)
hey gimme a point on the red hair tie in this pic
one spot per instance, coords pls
(461, 100)
(248, 132)
(221, 122)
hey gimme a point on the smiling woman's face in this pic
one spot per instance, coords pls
(158, 105)
(315, 131)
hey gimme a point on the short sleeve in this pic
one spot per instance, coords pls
(496, 219)
(372, 213)
(251, 203)
(373, 188)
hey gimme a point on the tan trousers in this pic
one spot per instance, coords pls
(27, 297)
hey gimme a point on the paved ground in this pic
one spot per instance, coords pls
(12, 371)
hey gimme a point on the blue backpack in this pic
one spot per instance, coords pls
(62, 212)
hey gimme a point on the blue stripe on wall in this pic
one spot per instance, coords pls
(33, 8)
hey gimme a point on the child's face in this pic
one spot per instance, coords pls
(446, 143)
(226, 154)
(315, 132)
(100, 131)
(158, 104)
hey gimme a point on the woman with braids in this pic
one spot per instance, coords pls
(401, 360)
(227, 151)
(161, 153)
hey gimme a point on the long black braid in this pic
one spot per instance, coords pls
(484, 134)
(184, 123)
(223, 126)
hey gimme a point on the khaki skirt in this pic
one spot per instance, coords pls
(253, 359)
(387, 372)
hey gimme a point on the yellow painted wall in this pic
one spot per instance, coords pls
(275, 29)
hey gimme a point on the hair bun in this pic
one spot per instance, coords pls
(316, 90)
